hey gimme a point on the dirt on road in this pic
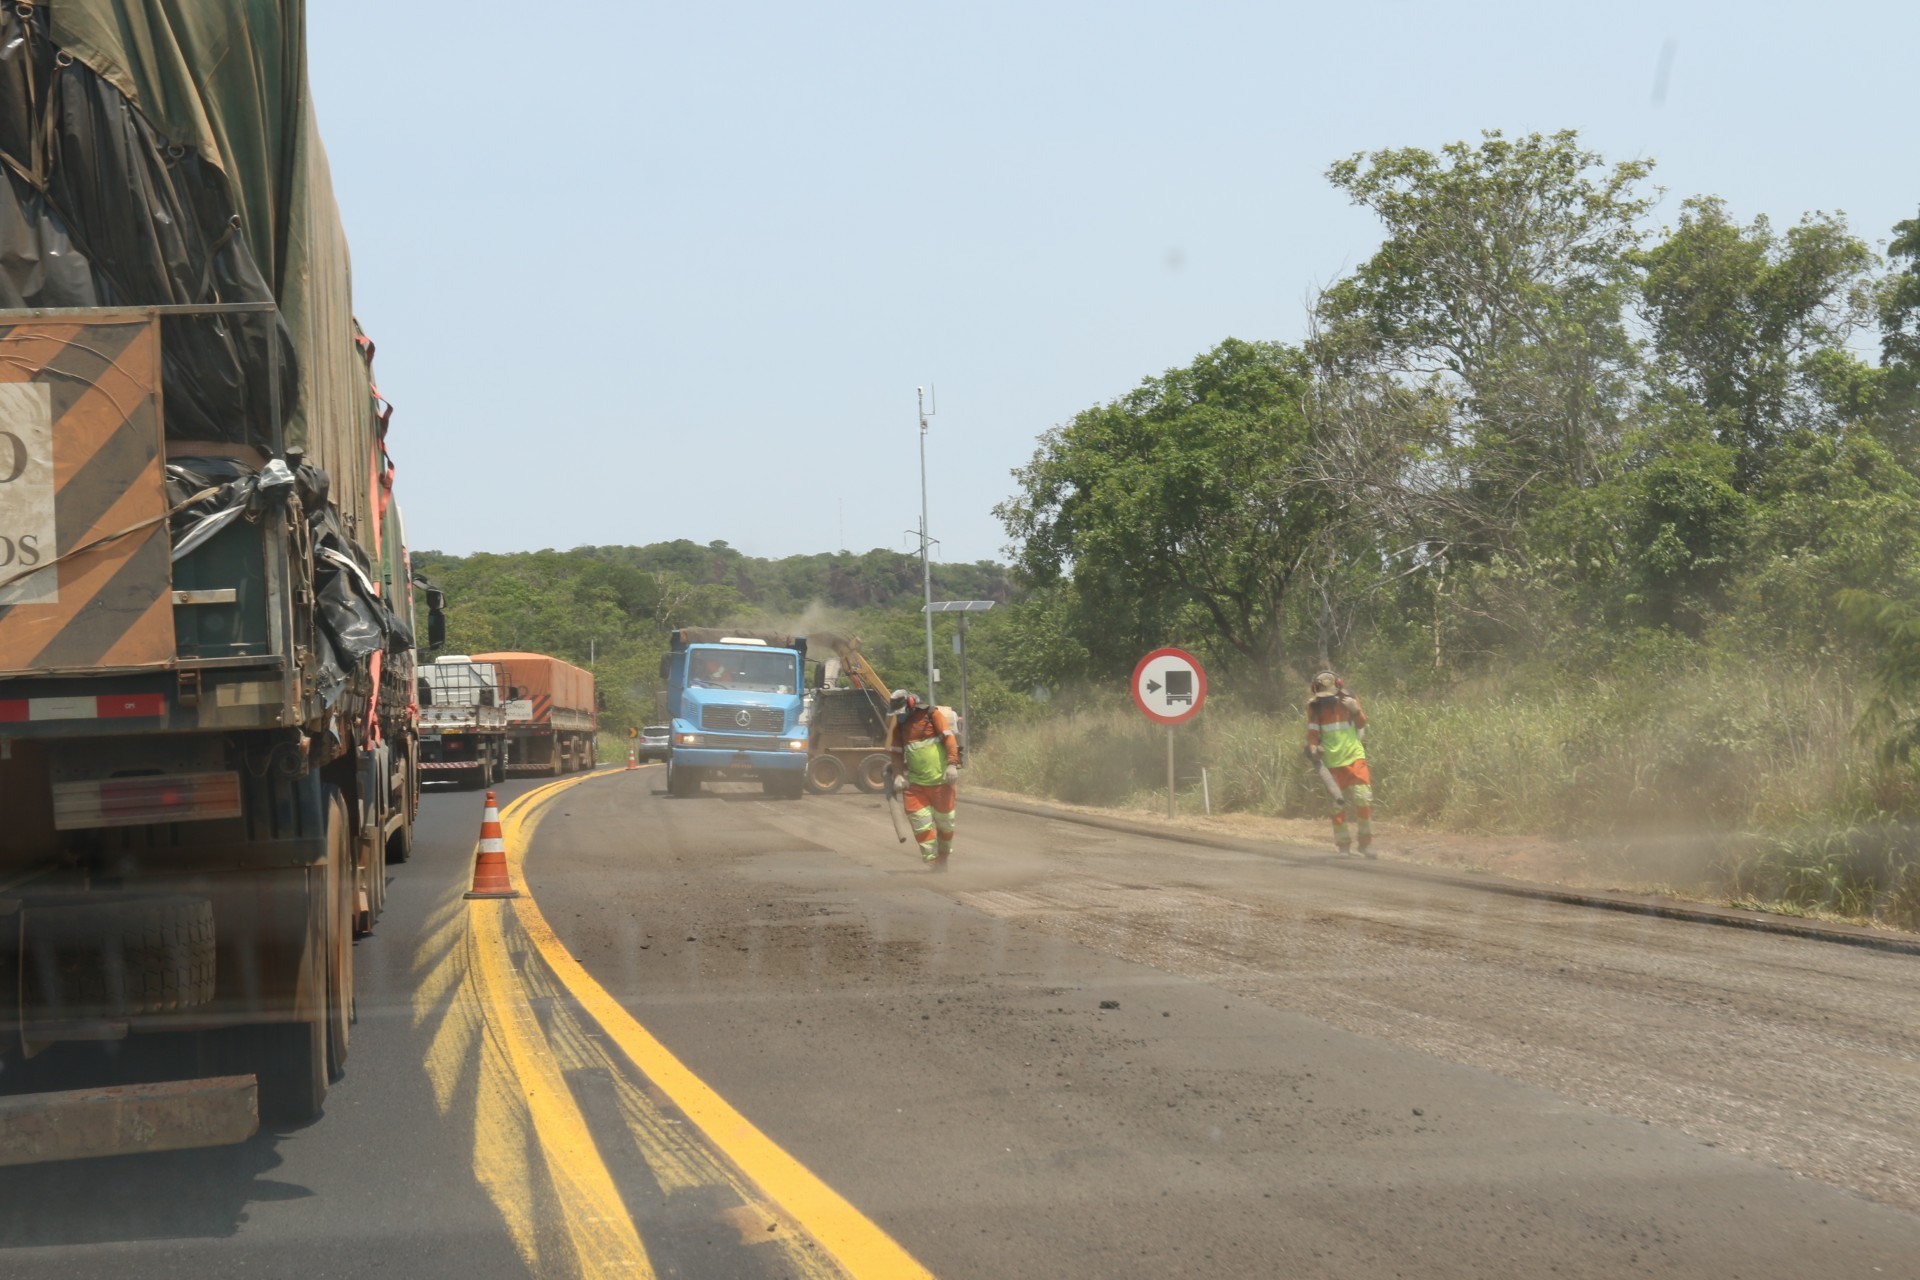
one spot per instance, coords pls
(1085, 1052)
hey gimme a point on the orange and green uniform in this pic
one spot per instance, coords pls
(923, 744)
(1334, 722)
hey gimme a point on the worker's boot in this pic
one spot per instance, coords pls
(939, 861)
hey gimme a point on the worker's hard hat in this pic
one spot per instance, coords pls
(1325, 683)
(904, 701)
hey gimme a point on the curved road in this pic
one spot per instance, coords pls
(733, 1036)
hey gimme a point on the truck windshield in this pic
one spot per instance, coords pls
(770, 672)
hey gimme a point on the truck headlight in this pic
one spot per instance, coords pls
(687, 739)
(798, 744)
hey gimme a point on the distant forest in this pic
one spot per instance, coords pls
(615, 606)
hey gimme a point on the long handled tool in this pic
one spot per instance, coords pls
(1326, 780)
(889, 795)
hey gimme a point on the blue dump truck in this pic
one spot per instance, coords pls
(735, 700)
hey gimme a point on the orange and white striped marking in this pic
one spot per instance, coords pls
(490, 878)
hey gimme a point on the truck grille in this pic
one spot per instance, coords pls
(727, 719)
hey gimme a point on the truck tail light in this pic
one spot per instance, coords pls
(129, 802)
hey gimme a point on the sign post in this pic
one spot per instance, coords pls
(1169, 687)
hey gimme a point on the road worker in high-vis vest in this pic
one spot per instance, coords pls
(1336, 733)
(926, 756)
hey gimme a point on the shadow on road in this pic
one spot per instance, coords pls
(167, 1195)
(174, 1195)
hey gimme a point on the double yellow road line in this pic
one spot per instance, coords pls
(518, 1016)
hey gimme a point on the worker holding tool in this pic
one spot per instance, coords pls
(926, 752)
(1336, 743)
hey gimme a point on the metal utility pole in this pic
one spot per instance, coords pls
(926, 562)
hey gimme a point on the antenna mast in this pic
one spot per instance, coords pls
(927, 410)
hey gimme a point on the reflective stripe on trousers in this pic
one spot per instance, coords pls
(930, 810)
(1359, 797)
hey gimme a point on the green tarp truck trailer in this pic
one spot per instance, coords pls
(207, 682)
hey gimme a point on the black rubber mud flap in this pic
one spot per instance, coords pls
(341, 883)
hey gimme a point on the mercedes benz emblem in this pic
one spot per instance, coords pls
(743, 717)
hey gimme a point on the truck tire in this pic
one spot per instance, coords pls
(117, 955)
(295, 1060)
(871, 776)
(682, 782)
(826, 774)
(400, 843)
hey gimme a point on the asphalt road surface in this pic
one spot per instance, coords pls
(734, 1036)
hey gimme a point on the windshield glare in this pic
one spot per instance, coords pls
(745, 670)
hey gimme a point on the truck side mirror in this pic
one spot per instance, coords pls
(425, 691)
(666, 660)
(436, 629)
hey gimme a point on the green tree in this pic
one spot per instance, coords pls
(1654, 543)
(1177, 511)
(1501, 281)
(1754, 325)
(1896, 419)
(1833, 514)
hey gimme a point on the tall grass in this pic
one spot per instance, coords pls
(1763, 764)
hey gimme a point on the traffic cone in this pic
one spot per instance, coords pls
(633, 758)
(490, 858)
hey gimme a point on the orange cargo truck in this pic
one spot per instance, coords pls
(552, 724)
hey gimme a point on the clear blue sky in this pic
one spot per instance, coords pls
(643, 271)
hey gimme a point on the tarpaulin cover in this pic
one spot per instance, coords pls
(215, 189)
(352, 614)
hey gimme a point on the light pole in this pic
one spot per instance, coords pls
(926, 562)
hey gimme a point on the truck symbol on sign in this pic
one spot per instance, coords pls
(1179, 687)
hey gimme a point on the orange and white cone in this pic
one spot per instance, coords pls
(633, 758)
(490, 858)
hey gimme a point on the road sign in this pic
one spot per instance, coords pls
(1169, 686)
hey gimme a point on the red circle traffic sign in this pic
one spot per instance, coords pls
(1167, 679)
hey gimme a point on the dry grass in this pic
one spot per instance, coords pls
(1761, 770)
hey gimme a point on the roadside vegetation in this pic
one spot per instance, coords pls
(1605, 503)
